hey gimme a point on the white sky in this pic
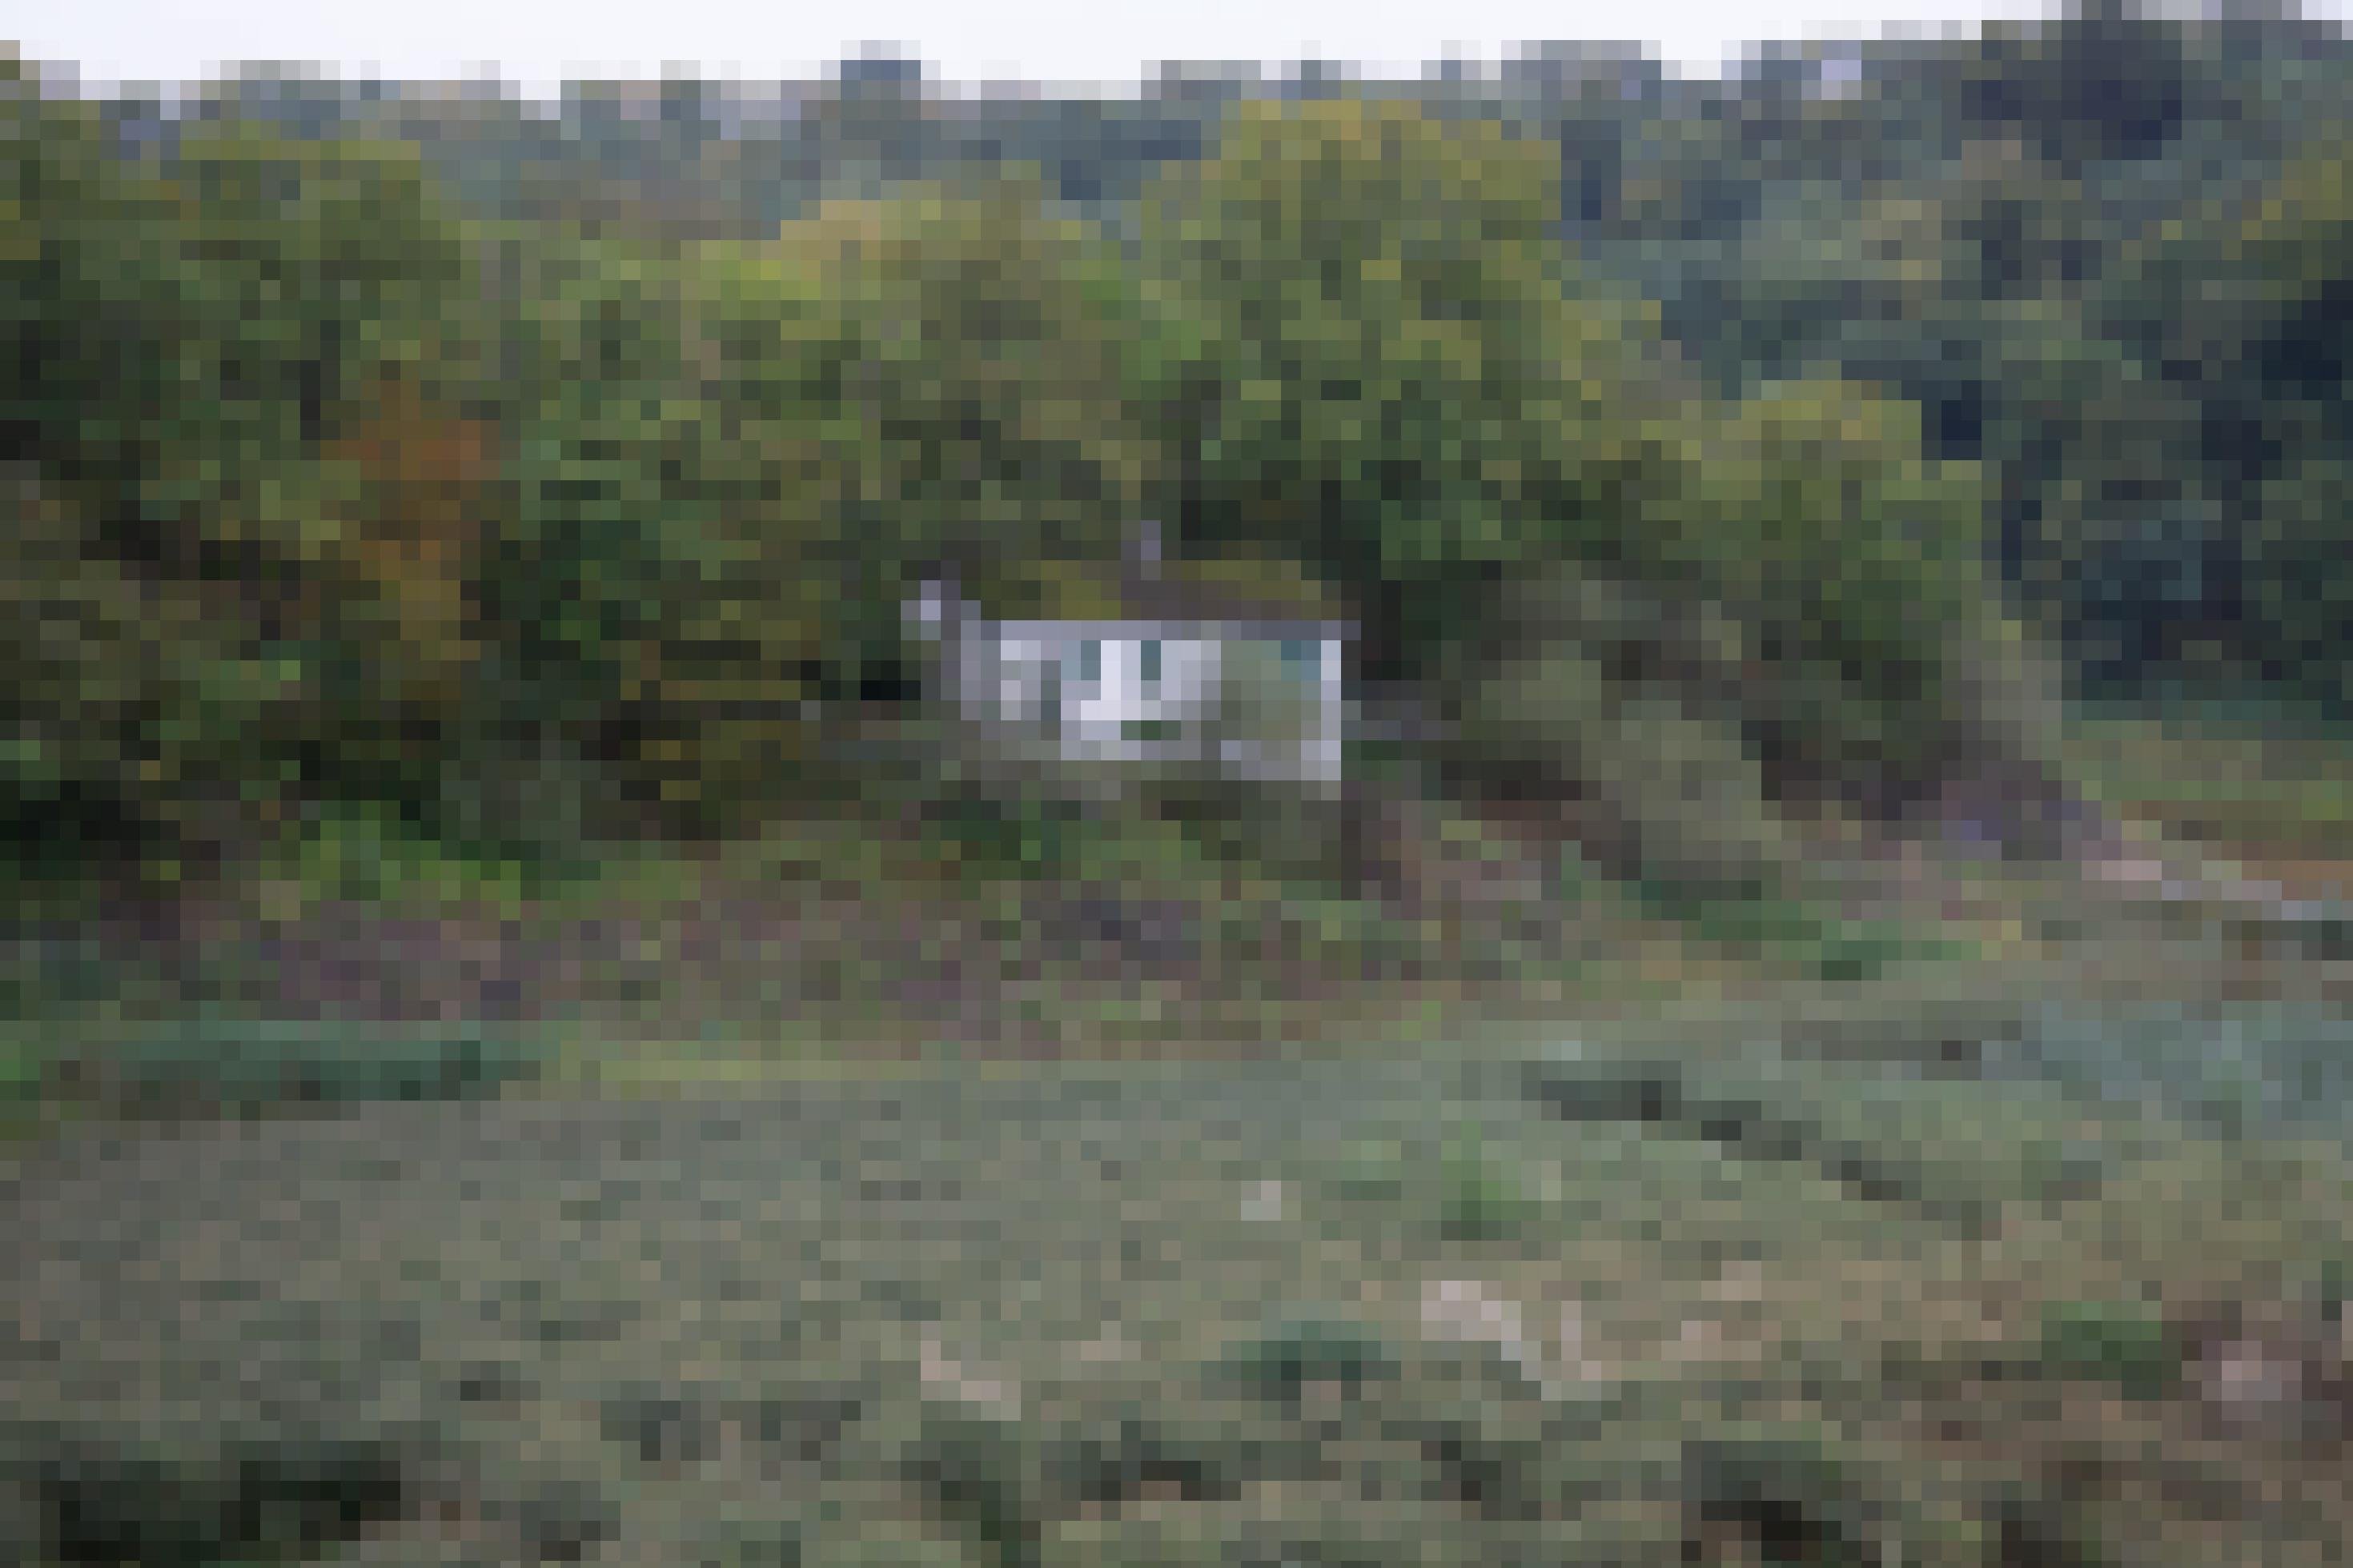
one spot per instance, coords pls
(1088, 44)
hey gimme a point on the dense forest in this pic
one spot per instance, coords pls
(1698, 451)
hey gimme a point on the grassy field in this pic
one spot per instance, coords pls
(1855, 1279)
(714, 1214)
(2227, 777)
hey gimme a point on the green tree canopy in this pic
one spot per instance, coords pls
(1394, 381)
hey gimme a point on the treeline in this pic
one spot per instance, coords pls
(1697, 452)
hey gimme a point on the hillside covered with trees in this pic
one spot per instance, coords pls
(1698, 457)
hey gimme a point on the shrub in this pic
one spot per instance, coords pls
(1789, 1494)
(1483, 1199)
(1281, 1363)
(213, 1064)
(2122, 1343)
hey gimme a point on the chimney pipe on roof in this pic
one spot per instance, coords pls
(1143, 547)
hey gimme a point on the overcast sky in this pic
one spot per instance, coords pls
(1083, 43)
